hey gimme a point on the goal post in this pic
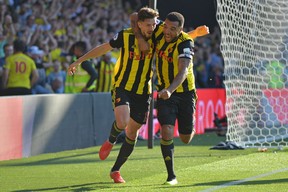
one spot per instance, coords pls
(254, 45)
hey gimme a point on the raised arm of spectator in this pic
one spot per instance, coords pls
(47, 26)
(93, 53)
(56, 6)
(52, 40)
(35, 36)
(91, 14)
(85, 37)
(2, 13)
(9, 28)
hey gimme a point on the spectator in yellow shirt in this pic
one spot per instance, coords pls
(17, 71)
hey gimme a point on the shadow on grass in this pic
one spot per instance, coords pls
(88, 187)
(109, 185)
(92, 157)
(75, 188)
(67, 159)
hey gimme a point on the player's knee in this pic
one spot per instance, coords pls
(122, 124)
(131, 134)
(167, 132)
(187, 138)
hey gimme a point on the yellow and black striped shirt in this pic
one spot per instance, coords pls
(105, 76)
(133, 70)
(167, 55)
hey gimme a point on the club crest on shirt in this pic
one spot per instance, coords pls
(117, 100)
(170, 49)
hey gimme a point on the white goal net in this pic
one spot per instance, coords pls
(254, 44)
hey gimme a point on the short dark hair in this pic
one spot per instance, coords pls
(81, 45)
(147, 13)
(6, 45)
(19, 46)
(175, 16)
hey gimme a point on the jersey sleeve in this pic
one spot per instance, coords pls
(159, 26)
(158, 31)
(117, 40)
(186, 49)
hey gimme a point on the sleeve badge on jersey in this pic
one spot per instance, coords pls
(115, 37)
(157, 21)
(188, 52)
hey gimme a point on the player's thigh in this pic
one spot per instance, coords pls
(186, 113)
(133, 129)
(122, 116)
(166, 111)
(120, 102)
(139, 107)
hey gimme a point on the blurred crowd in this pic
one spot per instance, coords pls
(52, 29)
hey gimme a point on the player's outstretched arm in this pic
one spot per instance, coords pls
(199, 31)
(93, 53)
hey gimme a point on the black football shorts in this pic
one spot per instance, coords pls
(138, 104)
(180, 106)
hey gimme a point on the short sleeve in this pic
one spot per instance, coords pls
(186, 49)
(117, 40)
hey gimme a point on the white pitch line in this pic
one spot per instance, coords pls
(244, 180)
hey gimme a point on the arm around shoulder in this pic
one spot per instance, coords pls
(142, 43)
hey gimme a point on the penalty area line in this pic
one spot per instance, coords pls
(244, 180)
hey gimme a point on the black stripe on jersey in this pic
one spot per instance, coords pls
(138, 75)
(160, 65)
(185, 85)
(129, 62)
(171, 66)
(155, 40)
(121, 64)
(148, 77)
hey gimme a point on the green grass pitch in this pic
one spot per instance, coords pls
(197, 169)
